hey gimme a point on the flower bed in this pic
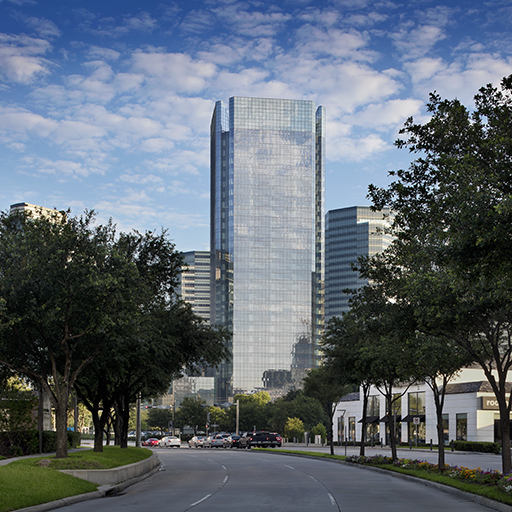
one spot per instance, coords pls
(478, 476)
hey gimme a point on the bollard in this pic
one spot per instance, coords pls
(452, 445)
(431, 445)
(410, 444)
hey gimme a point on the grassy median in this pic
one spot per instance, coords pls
(33, 481)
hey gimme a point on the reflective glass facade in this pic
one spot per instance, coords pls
(195, 282)
(350, 233)
(267, 175)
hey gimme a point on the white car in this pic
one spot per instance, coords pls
(172, 441)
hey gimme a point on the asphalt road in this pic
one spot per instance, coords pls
(219, 480)
(485, 461)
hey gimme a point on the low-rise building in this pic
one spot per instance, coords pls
(470, 413)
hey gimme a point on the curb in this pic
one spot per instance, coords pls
(480, 500)
(102, 492)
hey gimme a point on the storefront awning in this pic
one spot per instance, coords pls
(370, 419)
(410, 418)
(398, 417)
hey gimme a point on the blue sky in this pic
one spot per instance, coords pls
(107, 105)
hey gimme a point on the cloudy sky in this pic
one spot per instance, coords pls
(106, 105)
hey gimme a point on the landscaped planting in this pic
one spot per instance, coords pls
(488, 478)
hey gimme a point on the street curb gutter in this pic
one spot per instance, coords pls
(480, 500)
(102, 492)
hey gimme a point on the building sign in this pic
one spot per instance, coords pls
(489, 403)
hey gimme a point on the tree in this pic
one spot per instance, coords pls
(192, 413)
(453, 211)
(156, 337)
(60, 285)
(296, 404)
(348, 357)
(323, 385)
(294, 428)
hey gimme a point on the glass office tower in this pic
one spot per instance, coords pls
(350, 233)
(267, 236)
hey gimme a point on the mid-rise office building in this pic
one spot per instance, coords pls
(267, 237)
(195, 282)
(350, 233)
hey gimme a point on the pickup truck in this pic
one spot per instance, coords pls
(260, 438)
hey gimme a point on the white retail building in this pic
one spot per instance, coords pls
(470, 413)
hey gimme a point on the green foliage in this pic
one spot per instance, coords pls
(260, 398)
(17, 406)
(477, 446)
(319, 430)
(294, 428)
(193, 413)
(296, 405)
(453, 211)
(158, 419)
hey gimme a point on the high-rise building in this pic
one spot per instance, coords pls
(267, 237)
(350, 233)
(195, 282)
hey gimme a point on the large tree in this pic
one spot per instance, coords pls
(61, 284)
(324, 385)
(453, 211)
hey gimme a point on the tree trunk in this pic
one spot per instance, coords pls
(505, 441)
(363, 423)
(61, 424)
(392, 432)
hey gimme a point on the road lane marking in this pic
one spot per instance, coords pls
(331, 497)
(225, 468)
(286, 466)
(225, 479)
(200, 501)
(313, 478)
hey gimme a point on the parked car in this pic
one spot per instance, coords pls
(152, 441)
(196, 442)
(235, 440)
(226, 440)
(216, 441)
(261, 438)
(172, 442)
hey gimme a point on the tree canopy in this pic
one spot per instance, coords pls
(452, 226)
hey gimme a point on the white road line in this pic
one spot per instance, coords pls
(313, 478)
(200, 501)
(331, 497)
(225, 468)
(286, 466)
(225, 479)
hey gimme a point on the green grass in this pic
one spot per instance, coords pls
(26, 482)
(491, 492)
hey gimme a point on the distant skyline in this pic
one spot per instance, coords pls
(107, 105)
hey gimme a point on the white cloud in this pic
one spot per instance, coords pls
(253, 24)
(385, 115)
(174, 71)
(416, 43)
(334, 42)
(21, 58)
(459, 79)
(142, 179)
(355, 149)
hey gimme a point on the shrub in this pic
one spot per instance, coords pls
(476, 446)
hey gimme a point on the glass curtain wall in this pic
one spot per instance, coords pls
(266, 239)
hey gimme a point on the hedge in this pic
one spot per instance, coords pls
(19, 443)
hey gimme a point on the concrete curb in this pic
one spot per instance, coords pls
(115, 475)
(481, 500)
(102, 492)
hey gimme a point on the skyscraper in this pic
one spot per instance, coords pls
(267, 236)
(350, 233)
(195, 282)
